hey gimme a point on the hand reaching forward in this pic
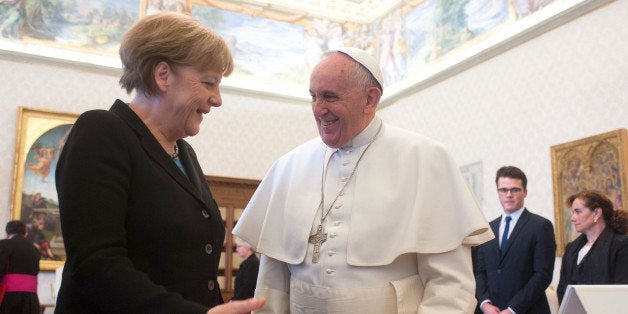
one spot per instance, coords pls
(238, 307)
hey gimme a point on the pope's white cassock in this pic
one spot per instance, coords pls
(399, 235)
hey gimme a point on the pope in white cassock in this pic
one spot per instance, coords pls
(368, 218)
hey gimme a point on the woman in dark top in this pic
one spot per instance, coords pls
(142, 231)
(599, 256)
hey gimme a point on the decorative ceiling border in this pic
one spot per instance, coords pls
(411, 63)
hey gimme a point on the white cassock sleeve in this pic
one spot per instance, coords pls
(273, 283)
(449, 285)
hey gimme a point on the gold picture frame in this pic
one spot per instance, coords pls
(596, 162)
(39, 141)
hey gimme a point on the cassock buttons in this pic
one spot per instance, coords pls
(211, 285)
(205, 213)
(209, 248)
(329, 271)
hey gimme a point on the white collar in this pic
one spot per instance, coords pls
(365, 137)
(514, 216)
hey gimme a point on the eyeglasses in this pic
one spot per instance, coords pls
(512, 190)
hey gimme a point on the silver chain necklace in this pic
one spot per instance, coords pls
(319, 237)
(175, 155)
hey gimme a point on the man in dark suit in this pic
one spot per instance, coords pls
(246, 279)
(513, 270)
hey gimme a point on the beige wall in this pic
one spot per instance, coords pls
(568, 83)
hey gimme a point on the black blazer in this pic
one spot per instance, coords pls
(518, 277)
(140, 236)
(246, 278)
(605, 263)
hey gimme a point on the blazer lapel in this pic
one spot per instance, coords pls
(494, 244)
(194, 174)
(599, 252)
(521, 222)
(156, 152)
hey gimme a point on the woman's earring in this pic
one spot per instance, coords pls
(595, 220)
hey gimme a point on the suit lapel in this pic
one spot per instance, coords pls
(157, 154)
(154, 151)
(193, 180)
(494, 244)
(521, 222)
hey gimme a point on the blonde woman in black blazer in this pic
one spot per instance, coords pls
(599, 256)
(141, 229)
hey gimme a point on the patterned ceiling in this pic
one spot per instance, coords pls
(360, 11)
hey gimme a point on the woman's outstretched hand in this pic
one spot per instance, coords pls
(238, 307)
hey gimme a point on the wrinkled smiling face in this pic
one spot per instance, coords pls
(582, 217)
(340, 106)
(191, 94)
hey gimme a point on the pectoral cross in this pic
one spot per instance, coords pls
(317, 239)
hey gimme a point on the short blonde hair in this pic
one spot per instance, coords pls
(179, 40)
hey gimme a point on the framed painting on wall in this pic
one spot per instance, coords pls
(472, 173)
(597, 162)
(150, 7)
(40, 138)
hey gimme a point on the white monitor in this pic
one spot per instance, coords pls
(595, 299)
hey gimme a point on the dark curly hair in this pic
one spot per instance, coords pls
(616, 219)
(15, 227)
